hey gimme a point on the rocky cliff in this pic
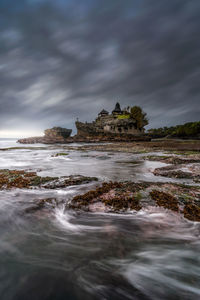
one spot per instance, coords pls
(55, 135)
(57, 132)
(118, 126)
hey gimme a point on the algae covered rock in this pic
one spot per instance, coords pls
(22, 179)
(112, 195)
(133, 196)
(60, 154)
(165, 200)
(192, 212)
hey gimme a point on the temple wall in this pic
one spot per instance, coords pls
(121, 129)
(85, 129)
(108, 124)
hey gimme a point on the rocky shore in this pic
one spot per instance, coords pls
(184, 167)
(118, 197)
(83, 139)
(28, 180)
(86, 134)
(45, 140)
(130, 196)
(174, 146)
(182, 159)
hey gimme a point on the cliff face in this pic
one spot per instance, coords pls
(55, 135)
(57, 132)
(85, 129)
(100, 132)
(115, 125)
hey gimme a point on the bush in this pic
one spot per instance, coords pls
(191, 129)
(139, 116)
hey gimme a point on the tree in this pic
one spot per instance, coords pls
(191, 129)
(140, 117)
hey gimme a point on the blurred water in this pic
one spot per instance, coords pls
(56, 254)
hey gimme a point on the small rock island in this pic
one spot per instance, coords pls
(55, 135)
(121, 125)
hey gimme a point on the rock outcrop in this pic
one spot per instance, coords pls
(121, 197)
(55, 135)
(57, 132)
(27, 180)
(118, 126)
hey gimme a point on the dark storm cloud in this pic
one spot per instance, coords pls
(63, 60)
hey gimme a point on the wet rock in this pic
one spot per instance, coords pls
(172, 159)
(42, 203)
(66, 181)
(188, 171)
(165, 200)
(129, 162)
(186, 148)
(22, 179)
(60, 154)
(23, 148)
(113, 195)
(46, 140)
(126, 196)
(192, 212)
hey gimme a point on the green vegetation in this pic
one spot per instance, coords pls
(185, 153)
(21, 179)
(136, 113)
(27, 180)
(138, 196)
(60, 154)
(23, 148)
(139, 116)
(191, 129)
(122, 117)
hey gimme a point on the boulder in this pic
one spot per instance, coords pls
(57, 132)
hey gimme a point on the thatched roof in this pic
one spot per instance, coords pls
(104, 112)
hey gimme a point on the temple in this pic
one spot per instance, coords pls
(120, 126)
(119, 122)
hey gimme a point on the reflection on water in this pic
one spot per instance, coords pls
(54, 254)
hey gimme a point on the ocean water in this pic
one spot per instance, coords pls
(58, 254)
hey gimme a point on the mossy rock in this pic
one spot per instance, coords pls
(21, 179)
(192, 212)
(120, 198)
(165, 200)
(23, 148)
(60, 154)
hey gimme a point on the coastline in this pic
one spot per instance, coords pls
(181, 161)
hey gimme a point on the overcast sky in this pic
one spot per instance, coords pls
(60, 60)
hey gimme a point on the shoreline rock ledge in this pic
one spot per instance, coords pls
(55, 135)
(59, 135)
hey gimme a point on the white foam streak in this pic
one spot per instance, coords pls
(64, 219)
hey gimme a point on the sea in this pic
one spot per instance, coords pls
(59, 254)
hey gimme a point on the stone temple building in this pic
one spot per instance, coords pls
(120, 125)
(119, 122)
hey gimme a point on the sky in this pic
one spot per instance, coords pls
(64, 59)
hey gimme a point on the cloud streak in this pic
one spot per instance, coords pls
(63, 60)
